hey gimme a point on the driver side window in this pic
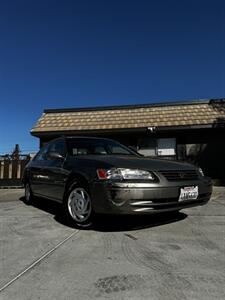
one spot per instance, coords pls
(58, 146)
(42, 154)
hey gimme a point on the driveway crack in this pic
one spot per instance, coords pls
(37, 261)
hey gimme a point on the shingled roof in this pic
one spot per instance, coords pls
(78, 120)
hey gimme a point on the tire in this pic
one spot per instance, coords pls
(78, 206)
(28, 199)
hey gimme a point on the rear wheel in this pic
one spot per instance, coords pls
(78, 206)
(28, 194)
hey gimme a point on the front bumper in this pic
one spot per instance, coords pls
(146, 198)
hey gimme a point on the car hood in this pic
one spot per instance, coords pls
(134, 162)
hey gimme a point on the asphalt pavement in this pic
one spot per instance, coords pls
(179, 256)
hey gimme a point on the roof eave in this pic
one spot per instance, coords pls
(131, 106)
(125, 130)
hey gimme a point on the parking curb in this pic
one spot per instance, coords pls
(11, 187)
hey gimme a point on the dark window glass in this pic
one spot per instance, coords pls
(81, 146)
(57, 146)
(41, 155)
(115, 149)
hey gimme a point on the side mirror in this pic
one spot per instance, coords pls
(54, 155)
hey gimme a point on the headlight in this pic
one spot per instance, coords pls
(201, 172)
(125, 174)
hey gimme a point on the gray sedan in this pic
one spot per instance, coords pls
(94, 175)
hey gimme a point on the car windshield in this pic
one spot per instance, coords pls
(81, 146)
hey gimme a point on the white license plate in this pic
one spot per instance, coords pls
(188, 193)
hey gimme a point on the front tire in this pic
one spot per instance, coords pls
(78, 206)
(28, 199)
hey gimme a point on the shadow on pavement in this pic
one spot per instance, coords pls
(128, 223)
(111, 223)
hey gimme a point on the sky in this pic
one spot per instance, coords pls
(58, 54)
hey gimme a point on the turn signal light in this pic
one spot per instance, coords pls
(102, 174)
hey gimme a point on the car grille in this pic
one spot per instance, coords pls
(180, 175)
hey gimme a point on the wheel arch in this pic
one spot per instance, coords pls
(73, 179)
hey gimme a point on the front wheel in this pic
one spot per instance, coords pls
(78, 206)
(28, 194)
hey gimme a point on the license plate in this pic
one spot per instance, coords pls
(188, 193)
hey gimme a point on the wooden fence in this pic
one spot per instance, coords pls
(11, 170)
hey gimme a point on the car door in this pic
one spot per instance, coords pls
(37, 176)
(54, 175)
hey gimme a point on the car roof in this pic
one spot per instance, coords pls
(87, 137)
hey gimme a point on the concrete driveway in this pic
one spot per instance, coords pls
(176, 257)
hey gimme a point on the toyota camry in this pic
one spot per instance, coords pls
(92, 176)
